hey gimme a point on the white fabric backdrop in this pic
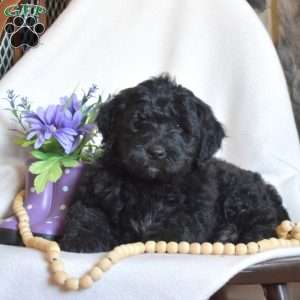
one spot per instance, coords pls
(216, 48)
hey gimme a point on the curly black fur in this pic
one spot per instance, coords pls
(158, 179)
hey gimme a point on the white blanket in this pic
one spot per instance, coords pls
(216, 48)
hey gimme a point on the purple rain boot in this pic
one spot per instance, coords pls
(46, 210)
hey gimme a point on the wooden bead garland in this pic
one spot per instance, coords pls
(195, 248)
(229, 249)
(288, 233)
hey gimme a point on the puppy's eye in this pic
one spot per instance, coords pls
(179, 126)
(141, 125)
(140, 117)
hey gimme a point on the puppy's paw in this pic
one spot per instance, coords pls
(227, 234)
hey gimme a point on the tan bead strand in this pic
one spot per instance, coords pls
(288, 233)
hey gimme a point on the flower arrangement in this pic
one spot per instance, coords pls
(58, 136)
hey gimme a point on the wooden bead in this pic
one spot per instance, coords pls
(104, 264)
(241, 249)
(296, 236)
(24, 227)
(141, 247)
(161, 247)
(59, 277)
(30, 243)
(52, 256)
(274, 243)
(40, 243)
(85, 282)
(206, 248)
(183, 247)
(96, 273)
(252, 248)
(172, 247)
(282, 242)
(218, 248)
(286, 225)
(114, 256)
(18, 201)
(53, 246)
(296, 228)
(288, 243)
(22, 213)
(56, 266)
(135, 249)
(35, 242)
(72, 284)
(27, 233)
(281, 233)
(17, 206)
(123, 251)
(23, 224)
(195, 248)
(120, 251)
(264, 245)
(26, 236)
(129, 249)
(150, 247)
(229, 249)
(295, 243)
(117, 249)
(24, 219)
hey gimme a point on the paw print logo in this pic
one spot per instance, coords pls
(24, 31)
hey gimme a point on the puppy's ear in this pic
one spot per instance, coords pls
(211, 132)
(107, 117)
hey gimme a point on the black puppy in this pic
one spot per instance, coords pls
(157, 179)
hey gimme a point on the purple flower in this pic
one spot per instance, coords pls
(45, 124)
(71, 103)
(62, 122)
(74, 116)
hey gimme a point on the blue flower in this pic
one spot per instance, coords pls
(64, 122)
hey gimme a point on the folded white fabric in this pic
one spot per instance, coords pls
(216, 48)
(149, 276)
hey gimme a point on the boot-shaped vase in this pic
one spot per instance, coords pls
(46, 210)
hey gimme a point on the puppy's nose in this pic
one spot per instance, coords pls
(157, 151)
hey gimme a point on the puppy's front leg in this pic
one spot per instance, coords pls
(87, 230)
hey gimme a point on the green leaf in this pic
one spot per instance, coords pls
(27, 144)
(40, 166)
(55, 172)
(48, 170)
(46, 156)
(24, 143)
(40, 182)
(39, 154)
(68, 162)
(52, 146)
